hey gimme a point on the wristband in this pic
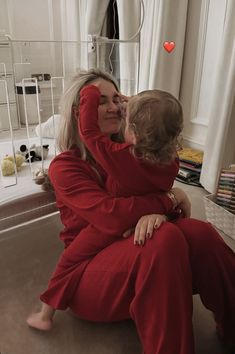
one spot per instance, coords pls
(172, 197)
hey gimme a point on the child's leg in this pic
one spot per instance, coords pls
(42, 320)
(67, 274)
(72, 264)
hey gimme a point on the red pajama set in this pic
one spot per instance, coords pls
(153, 284)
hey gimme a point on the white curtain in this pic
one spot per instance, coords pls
(129, 13)
(92, 15)
(152, 67)
(69, 32)
(92, 21)
(165, 20)
(220, 143)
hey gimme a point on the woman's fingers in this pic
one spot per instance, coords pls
(146, 226)
(140, 232)
(150, 227)
(159, 220)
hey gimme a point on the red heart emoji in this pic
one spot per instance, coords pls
(169, 46)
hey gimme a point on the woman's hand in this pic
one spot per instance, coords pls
(183, 201)
(145, 227)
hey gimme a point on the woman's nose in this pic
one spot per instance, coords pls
(112, 107)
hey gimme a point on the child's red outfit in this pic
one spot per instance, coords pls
(153, 284)
(127, 175)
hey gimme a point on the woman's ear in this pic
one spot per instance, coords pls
(75, 110)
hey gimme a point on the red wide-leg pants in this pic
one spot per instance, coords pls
(153, 285)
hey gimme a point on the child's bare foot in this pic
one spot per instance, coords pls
(37, 321)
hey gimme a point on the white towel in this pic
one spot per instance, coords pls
(49, 129)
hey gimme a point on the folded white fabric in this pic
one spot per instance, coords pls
(49, 129)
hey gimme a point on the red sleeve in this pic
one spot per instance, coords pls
(110, 155)
(77, 188)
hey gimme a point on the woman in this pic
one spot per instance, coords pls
(153, 284)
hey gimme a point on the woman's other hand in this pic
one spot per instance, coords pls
(183, 201)
(128, 232)
(145, 227)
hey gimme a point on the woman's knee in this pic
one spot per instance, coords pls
(167, 241)
(198, 233)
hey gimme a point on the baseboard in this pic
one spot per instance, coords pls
(194, 144)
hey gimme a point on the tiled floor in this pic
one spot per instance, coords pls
(27, 257)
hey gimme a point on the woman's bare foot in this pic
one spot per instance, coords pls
(36, 320)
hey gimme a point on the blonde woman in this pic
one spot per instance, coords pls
(153, 284)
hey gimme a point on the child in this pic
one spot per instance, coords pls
(154, 121)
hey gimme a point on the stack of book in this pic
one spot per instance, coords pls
(225, 195)
(190, 166)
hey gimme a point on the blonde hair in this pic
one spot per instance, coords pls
(68, 136)
(156, 118)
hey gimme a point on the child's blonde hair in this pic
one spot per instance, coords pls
(156, 118)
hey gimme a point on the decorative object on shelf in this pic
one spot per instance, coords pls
(39, 77)
(220, 207)
(225, 195)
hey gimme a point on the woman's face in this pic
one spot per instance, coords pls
(109, 110)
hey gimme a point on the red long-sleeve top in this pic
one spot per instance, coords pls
(82, 199)
(127, 175)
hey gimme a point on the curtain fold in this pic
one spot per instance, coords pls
(165, 20)
(92, 15)
(220, 143)
(70, 21)
(129, 21)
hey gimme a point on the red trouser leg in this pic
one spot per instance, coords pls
(71, 266)
(151, 284)
(213, 272)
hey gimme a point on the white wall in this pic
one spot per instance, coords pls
(30, 20)
(4, 24)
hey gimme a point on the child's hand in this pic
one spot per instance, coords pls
(123, 98)
(123, 104)
(182, 201)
